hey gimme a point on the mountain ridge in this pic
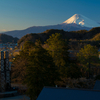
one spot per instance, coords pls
(78, 35)
(4, 38)
(72, 26)
(40, 29)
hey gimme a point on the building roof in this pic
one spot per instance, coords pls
(97, 85)
(98, 50)
(49, 93)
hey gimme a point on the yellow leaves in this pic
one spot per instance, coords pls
(88, 51)
(87, 55)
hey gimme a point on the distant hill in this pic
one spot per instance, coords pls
(79, 35)
(6, 38)
(39, 29)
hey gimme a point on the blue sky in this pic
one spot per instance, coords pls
(21, 14)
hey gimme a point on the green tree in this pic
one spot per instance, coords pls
(58, 49)
(41, 71)
(87, 56)
(35, 68)
(20, 62)
(74, 71)
(18, 69)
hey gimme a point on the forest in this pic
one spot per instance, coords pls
(50, 58)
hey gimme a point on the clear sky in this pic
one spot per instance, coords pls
(21, 14)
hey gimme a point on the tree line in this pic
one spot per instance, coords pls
(40, 65)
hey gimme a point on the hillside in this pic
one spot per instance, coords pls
(38, 29)
(96, 37)
(78, 35)
(7, 38)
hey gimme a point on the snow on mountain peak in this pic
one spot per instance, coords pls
(81, 20)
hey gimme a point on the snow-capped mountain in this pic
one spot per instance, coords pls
(81, 20)
(75, 23)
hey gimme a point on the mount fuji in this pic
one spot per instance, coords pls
(81, 20)
(74, 23)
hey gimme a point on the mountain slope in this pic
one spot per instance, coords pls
(78, 35)
(75, 23)
(6, 38)
(39, 29)
(81, 20)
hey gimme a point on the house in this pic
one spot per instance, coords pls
(57, 93)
